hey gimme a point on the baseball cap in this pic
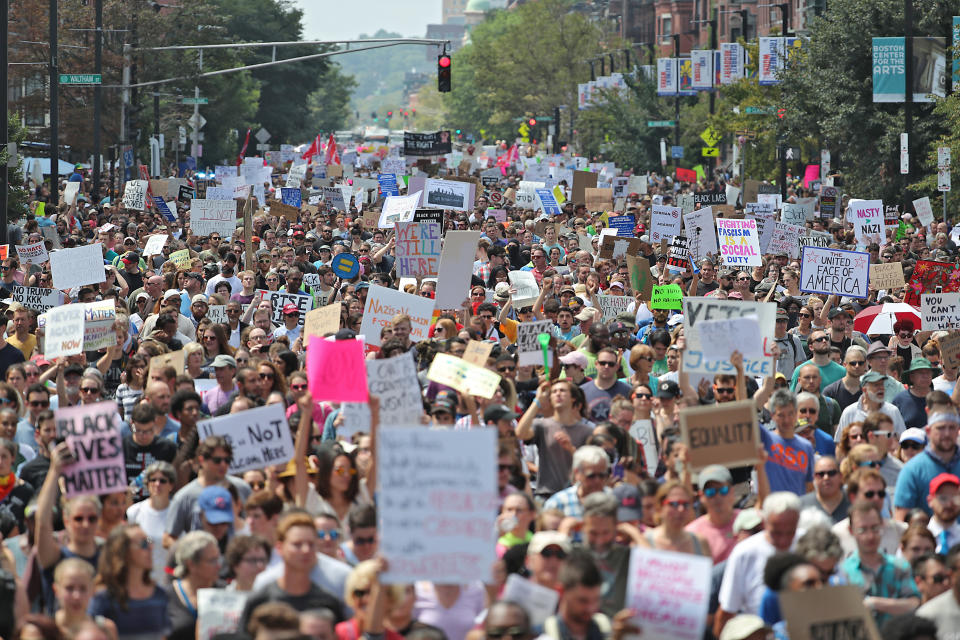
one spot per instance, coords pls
(746, 520)
(496, 412)
(170, 293)
(914, 435)
(870, 376)
(782, 314)
(444, 402)
(618, 327)
(587, 313)
(130, 257)
(290, 309)
(198, 298)
(616, 283)
(742, 626)
(629, 501)
(543, 539)
(714, 473)
(575, 358)
(143, 295)
(668, 389)
(223, 360)
(942, 479)
(216, 505)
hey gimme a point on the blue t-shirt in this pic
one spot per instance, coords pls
(912, 409)
(145, 618)
(789, 462)
(913, 481)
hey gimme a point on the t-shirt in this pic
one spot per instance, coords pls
(913, 409)
(180, 517)
(144, 619)
(314, 598)
(152, 522)
(720, 539)
(9, 355)
(829, 373)
(742, 587)
(138, 457)
(613, 566)
(555, 461)
(789, 463)
(945, 611)
(840, 513)
(26, 346)
(599, 400)
(838, 392)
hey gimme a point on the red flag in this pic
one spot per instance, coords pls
(313, 149)
(686, 175)
(243, 151)
(332, 156)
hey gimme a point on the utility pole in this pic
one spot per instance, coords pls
(908, 88)
(713, 73)
(676, 98)
(97, 96)
(54, 109)
(5, 125)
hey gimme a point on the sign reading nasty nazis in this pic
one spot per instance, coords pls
(721, 434)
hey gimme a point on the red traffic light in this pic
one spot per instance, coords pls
(443, 61)
(781, 113)
(389, 114)
(532, 122)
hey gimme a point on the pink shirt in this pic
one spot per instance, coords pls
(720, 539)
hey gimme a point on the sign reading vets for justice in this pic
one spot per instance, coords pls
(697, 309)
(835, 271)
(93, 436)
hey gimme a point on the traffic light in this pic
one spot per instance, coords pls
(443, 73)
(781, 113)
(532, 122)
(389, 114)
(374, 115)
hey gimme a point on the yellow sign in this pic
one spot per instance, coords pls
(710, 136)
(710, 152)
(558, 194)
(181, 258)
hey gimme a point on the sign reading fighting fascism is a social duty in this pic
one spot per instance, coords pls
(835, 271)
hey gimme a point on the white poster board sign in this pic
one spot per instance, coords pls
(670, 592)
(835, 272)
(213, 216)
(77, 266)
(35, 253)
(699, 309)
(939, 311)
(529, 351)
(394, 381)
(383, 304)
(456, 268)
(218, 610)
(260, 437)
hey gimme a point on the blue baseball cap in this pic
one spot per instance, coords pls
(216, 505)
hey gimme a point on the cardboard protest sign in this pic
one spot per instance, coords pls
(456, 268)
(383, 304)
(36, 298)
(175, 359)
(417, 249)
(835, 271)
(463, 376)
(785, 238)
(322, 321)
(701, 233)
(93, 435)
(598, 199)
(720, 338)
(924, 210)
(77, 266)
(218, 610)
(155, 244)
(213, 216)
(641, 279)
(612, 306)
(724, 434)
(739, 242)
(867, 218)
(697, 309)
(887, 276)
(35, 253)
(477, 352)
(427, 480)
(260, 437)
(613, 247)
(623, 224)
(950, 350)
(181, 258)
(528, 346)
(135, 195)
(582, 180)
(934, 277)
(336, 370)
(668, 296)
(284, 211)
(665, 222)
(939, 311)
(63, 331)
(540, 602)
(670, 592)
(398, 209)
(277, 299)
(828, 613)
(812, 238)
(394, 382)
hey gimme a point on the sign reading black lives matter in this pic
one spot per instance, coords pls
(92, 432)
(834, 271)
(427, 144)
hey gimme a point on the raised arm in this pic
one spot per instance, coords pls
(48, 550)
(525, 430)
(300, 478)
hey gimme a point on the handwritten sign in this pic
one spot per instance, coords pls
(477, 352)
(924, 210)
(77, 266)
(668, 296)
(418, 249)
(679, 257)
(794, 214)
(336, 370)
(291, 197)
(665, 222)
(135, 195)
(670, 592)
(36, 298)
(612, 306)
(939, 311)
(867, 218)
(93, 435)
(829, 613)
(835, 271)
(528, 347)
(155, 244)
(721, 434)
(394, 381)
(719, 338)
(260, 437)
(213, 216)
(64, 331)
(598, 199)
(383, 304)
(812, 238)
(437, 504)
(540, 602)
(181, 258)
(642, 432)
(219, 610)
(701, 233)
(463, 376)
(70, 192)
(887, 276)
(785, 238)
(322, 321)
(277, 299)
(739, 242)
(697, 309)
(950, 350)
(35, 253)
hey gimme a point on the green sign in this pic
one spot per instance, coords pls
(668, 296)
(752, 111)
(196, 101)
(80, 78)
(661, 123)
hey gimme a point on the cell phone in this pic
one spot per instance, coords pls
(618, 471)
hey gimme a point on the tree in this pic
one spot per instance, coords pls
(328, 108)
(18, 197)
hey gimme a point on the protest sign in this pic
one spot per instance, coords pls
(398, 209)
(828, 613)
(70, 191)
(670, 593)
(291, 197)
(356, 419)
(333, 196)
(163, 208)
(642, 432)
(394, 381)
(135, 195)
(387, 182)
(613, 247)
(598, 199)
(766, 223)
(665, 222)
(430, 215)
(213, 216)
(417, 249)
(35, 253)
(93, 435)
(383, 304)
(437, 504)
(812, 238)
(939, 311)
(739, 242)
(720, 338)
(175, 359)
(427, 144)
(548, 202)
(785, 238)
(185, 193)
(447, 194)
(835, 271)
(540, 602)
(181, 258)
(829, 202)
(924, 210)
(336, 370)
(322, 321)
(218, 610)
(701, 233)
(77, 266)
(277, 299)
(217, 313)
(867, 219)
(98, 331)
(477, 352)
(641, 280)
(887, 276)
(698, 309)
(63, 331)
(527, 289)
(463, 376)
(529, 352)
(934, 277)
(36, 298)
(260, 437)
(623, 224)
(793, 214)
(612, 306)
(284, 211)
(709, 198)
(456, 268)
(679, 257)
(668, 296)
(725, 434)
(582, 180)
(155, 244)
(950, 350)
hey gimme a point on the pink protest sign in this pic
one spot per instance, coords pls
(93, 434)
(336, 371)
(811, 173)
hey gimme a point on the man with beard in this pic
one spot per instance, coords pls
(870, 400)
(830, 371)
(940, 456)
(944, 499)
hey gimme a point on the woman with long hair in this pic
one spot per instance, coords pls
(444, 329)
(338, 480)
(73, 588)
(215, 342)
(131, 390)
(851, 436)
(371, 602)
(10, 397)
(804, 325)
(271, 379)
(17, 377)
(127, 594)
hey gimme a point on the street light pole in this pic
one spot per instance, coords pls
(54, 109)
(676, 98)
(97, 96)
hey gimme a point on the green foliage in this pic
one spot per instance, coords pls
(18, 198)
(329, 106)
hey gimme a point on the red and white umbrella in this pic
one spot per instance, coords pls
(879, 319)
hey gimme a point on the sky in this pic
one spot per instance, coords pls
(347, 19)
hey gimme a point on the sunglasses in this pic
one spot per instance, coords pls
(506, 369)
(857, 363)
(552, 552)
(328, 534)
(82, 519)
(219, 459)
(806, 315)
(512, 632)
(820, 339)
(726, 390)
(712, 491)
(364, 541)
(39, 403)
(873, 464)
(826, 474)
(266, 376)
(869, 495)
(594, 476)
(345, 471)
(606, 363)
(940, 578)
(677, 504)
(643, 396)
(910, 444)
(808, 410)
(160, 480)
(89, 389)
(857, 436)
(360, 593)
(299, 387)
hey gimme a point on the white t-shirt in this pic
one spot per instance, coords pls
(742, 587)
(152, 523)
(940, 383)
